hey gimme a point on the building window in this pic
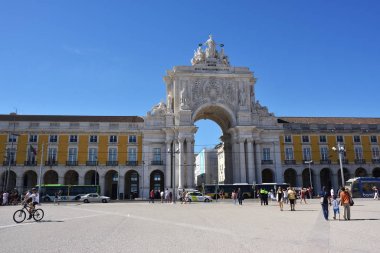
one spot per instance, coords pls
(373, 139)
(73, 138)
(288, 138)
(53, 138)
(306, 154)
(156, 154)
(132, 139)
(132, 155)
(339, 138)
(113, 138)
(92, 154)
(32, 138)
(32, 154)
(11, 154)
(305, 138)
(322, 139)
(52, 154)
(324, 153)
(73, 154)
(93, 138)
(289, 154)
(266, 154)
(356, 138)
(358, 153)
(375, 153)
(12, 138)
(112, 154)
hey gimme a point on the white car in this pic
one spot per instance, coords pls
(197, 196)
(94, 197)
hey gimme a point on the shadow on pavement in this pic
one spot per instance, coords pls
(362, 219)
(50, 221)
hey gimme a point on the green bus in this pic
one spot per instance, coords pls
(68, 192)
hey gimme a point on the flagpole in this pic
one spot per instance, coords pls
(40, 172)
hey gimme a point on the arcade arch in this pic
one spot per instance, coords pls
(111, 180)
(306, 178)
(290, 177)
(71, 177)
(376, 172)
(51, 177)
(30, 179)
(131, 188)
(11, 180)
(267, 176)
(346, 176)
(90, 179)
(157, 181)
(360, 172)
(325, 176)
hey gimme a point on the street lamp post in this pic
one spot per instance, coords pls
(40, 171)
(340, 149)
(172, 158)
(311, 182)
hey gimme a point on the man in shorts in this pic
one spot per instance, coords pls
(33, 199)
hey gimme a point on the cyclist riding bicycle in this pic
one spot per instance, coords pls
(32, 199)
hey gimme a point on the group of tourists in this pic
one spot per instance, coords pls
(330, 199)
(9, 197)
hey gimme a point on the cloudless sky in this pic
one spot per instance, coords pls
(311, 58)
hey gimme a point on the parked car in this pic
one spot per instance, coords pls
(94, 197)
(197, 196)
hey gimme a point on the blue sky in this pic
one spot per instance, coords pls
(311, 58)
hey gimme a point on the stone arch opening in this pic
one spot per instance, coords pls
(71, 177)
(325, 176)
(131, 188)
(376, 172)
(306, 178)
(110, 185)
(224, 118)
(90, 179)
(29, 180)
(51, 177)
(267, 176)
(290, 177)
(11, 180)
(156, 182)
(360, 172)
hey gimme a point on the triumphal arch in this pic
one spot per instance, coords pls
(211, 88)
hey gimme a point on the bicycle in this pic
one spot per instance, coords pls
(20, 215)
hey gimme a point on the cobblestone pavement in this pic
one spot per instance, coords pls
(196, 227)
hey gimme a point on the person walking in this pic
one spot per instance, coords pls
(240, 196)
(376, 190)
(280, 198)
(335, 205)
(162, 196)
(285, 191)
(325, 201)
(261, 194)
(345, 198)
(292, 199)
(151, 196)
(234, 196)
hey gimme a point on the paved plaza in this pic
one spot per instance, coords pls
(198, 227)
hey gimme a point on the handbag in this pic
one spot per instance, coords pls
(351, 202)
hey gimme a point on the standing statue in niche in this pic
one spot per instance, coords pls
(183, 98)
(242, 97)
(170, 103)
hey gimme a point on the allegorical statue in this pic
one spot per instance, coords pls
(210, 51)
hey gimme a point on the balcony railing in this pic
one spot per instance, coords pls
(71, 163)
(344, 161)
(290, 161)
(359, 161)
(30, 163)
(325, 161)
(51, 163)
(112, 163)
(376, 160)
(131, 163)
(6, 163)
(91, 163)
(157, 163)
(266, 161)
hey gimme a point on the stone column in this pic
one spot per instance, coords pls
(121, 184)
(180, 164)
(298, 180)
(19, 184)
(243, 172)
(190, 164)
(277, 162)
(61, 179)
(168, 167)
(235, 162)
(251, 170)
(81, 180)
(258, 163)
(102, 184)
